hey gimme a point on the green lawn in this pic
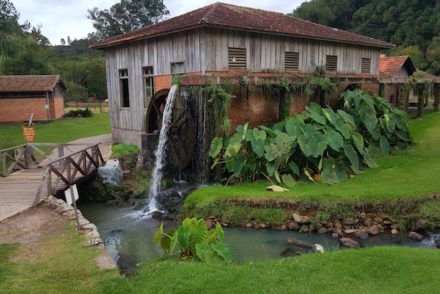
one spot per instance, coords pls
(61, 264)
(58, 131)
(411, 173)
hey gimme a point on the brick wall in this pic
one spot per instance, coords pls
(18, 110)
(58, 107)
(162, 82)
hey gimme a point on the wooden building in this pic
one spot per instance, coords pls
(222, 41)
(20, 96)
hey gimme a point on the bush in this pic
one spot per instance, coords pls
(127, 154)
(319, 144)
(194, 240)
(79, 113)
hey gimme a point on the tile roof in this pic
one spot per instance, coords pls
(229, 16)
(40, 83)
(390, 66)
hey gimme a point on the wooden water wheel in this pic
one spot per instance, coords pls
(181, 133)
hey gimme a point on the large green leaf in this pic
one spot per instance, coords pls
(312, 144)
(223, 251)
(368, 116)
(216, 147)
(352, 156)
(333, 172)
(384, 145)
(347, 118)
(258, 147)
(183, 236)
(368, 160)
(270, 167)
(198, 232)
(174, 241)
(294, 168)
(204, 252)
(293, 126)
(335, 140)
(232, 150)
(219, 232)
(358, 141)
(236, 164)
(158, 235)
(316, 113)
(288, 180)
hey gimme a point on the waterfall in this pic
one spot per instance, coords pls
(160, 152)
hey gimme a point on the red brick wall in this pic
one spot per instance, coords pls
(58, 107)
(17, 110)
(162, 82)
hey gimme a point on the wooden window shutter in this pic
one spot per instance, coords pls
(291, 61)
(237, 57)
(366, 65)
(331, 63)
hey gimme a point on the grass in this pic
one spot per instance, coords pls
(60, 264)
(405, 174)
(58, 131)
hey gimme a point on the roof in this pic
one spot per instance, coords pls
(229, 16)
(390, 66)
(35, 83)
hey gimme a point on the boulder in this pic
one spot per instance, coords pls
(415, 236)
(322, 230)
(209, 223)
(394, 232)
(293, 226)
(361, 235)
(249, 225)
(305, 229)
(420, 224)
(349, 243)
(289, 252)
(335, 235)
(368, 222)
(373, 230)
(437, 243)
(301, 219)
(350, 221)
(350, 231)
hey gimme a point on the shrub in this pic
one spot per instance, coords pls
(79, 113)
(319, 144)
(195, 240)
(126, 153)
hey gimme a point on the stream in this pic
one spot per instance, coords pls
(129, 239)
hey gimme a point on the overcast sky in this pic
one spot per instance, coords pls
(61, 18)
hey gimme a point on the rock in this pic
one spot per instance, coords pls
(322, 230)
(394, 232)
(338, 225)
(329, 225)
(263, 226)
(335, 235)
(301, 219)
(420, 224)
(437, 243)
(361, 235)
(225, 224)
(368, 222)
(209, 223)
(373, 230)
(387, 222)
(170, 200)
(305, 229)
(350, 221)
(350, 231)
(415, 236)
(293, 226)
(349, 243)
(249, 225)
(378, 220)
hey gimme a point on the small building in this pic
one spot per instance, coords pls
(20, 96)
(397, 71)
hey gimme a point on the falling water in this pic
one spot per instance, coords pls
(160, 152)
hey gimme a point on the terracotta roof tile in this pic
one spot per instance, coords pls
(29, 83)
(237, 17)
(390, 66)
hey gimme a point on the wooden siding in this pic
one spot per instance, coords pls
(266, 53)
(158, 53)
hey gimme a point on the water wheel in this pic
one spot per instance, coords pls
(181, 133)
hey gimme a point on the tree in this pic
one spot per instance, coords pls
(69, 42)
(433, 56)
(63, 42)
(126, 16)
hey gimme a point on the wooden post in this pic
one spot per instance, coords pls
(100, 106)
(420, 99)
(49, 181)
(74, 207)
(5, 167)
(28, 161)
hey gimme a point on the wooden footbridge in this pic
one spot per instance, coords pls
(25, 181)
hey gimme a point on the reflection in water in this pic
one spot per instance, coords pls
(129, 238)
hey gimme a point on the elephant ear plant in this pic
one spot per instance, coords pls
(320, 144)
(193, 239)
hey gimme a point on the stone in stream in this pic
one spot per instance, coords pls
(437, 243)
(415, 236)
(170, 201)
(289, 252)
(301, 219)
(420, 224)
(361, 234)
(373, 230)
(293, 226)
(394, 232)
(349, 243)
(305, 245)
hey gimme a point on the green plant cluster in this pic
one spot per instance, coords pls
(195, 240)
(126, 153)
(79, 113)
(219, 98)
(319, 144)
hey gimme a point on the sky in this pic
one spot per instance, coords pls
(62, 18)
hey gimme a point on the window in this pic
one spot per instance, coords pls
(237, 57)
(331, 63)
(366, 65)
(123, 84)
(291, 61)
(148, 77)
(177, 68)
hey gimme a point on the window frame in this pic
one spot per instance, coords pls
(240, 65)
(295, 54)
(327, 67)
(124, 77)
(146, 76)
(362, 65)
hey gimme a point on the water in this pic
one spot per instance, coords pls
(129, 239)
(161, 151)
